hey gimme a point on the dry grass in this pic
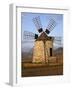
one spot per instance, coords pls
(29, 69)
(34, 69)
(29, 65)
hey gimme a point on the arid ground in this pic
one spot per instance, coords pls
(29, 69)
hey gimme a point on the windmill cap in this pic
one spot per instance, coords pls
(44, 36)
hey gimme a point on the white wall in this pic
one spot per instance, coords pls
(4, 43)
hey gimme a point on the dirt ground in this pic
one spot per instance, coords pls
(29, 69)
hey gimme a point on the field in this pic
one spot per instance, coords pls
(41, 70)
(30, 69)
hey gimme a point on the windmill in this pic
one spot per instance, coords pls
(43, 43)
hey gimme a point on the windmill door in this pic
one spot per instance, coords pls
(50, 51)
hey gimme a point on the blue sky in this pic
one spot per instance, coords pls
(28, 25)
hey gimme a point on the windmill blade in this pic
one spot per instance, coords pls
(58, 41)
(28, 41)
(58, 38)
(29, 35)
(38, 24)
(50, 26)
